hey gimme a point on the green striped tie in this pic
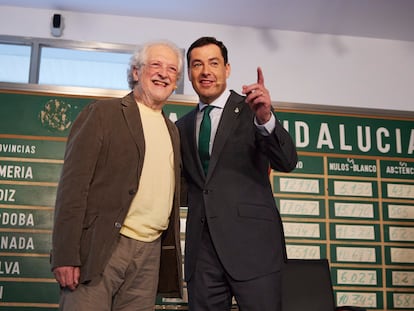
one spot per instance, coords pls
(204, 138)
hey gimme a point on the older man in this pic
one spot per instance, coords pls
(116, 231)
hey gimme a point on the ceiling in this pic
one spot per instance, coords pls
(386, 19)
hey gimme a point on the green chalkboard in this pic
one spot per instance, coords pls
(350, 198)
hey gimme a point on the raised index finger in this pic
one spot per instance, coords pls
(260, 78)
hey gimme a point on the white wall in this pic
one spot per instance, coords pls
(298, 67)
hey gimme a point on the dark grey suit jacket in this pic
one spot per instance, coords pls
(236, 198)
(100, 177)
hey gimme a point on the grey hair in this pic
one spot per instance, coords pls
(140, 57)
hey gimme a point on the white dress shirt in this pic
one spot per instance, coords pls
(215, 116)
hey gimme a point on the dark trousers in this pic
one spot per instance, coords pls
(211, 288)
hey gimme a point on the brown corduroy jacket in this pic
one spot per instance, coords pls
(100, 177)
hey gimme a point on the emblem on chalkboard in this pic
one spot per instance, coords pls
(56, 115)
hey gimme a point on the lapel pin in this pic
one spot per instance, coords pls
(237, 110)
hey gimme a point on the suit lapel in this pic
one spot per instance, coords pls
(133, 120)
(229, 120)
(192, 139)
(175, 141)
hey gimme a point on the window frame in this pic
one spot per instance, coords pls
(37, 44)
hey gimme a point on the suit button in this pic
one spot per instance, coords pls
(132, 191)
(203, 220)
(118, 225)
(205, 191)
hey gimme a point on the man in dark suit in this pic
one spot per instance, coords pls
(234, 236)
(116, 235)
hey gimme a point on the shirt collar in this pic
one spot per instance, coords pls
(219, 102)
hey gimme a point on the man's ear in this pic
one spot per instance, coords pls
(136, 74)
(228, 70)
(189, 74)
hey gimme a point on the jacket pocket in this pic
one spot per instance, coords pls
(256, 211)
(87, 236)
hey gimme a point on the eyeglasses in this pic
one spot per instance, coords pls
(157, 66)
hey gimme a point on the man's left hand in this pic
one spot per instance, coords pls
(258, 98)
